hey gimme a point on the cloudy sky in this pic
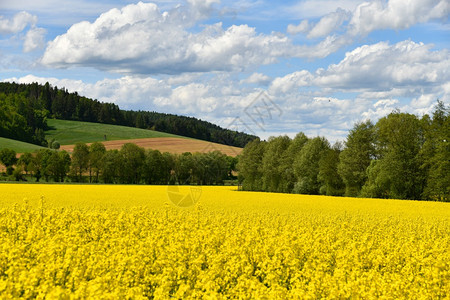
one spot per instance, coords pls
(265, 67)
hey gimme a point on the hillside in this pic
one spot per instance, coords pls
(18, 146)
(25, 108)
(68, 133)
(71, 132)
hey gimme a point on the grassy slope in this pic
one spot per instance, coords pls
(71, 132)
(17, 146)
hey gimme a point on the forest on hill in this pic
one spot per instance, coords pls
(402, 156)
(24, 109)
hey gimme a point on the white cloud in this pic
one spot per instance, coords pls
(396, 14)
(385, 103)
(190, 98)
(383, 67)
(329, 23)
(363, 18)
(320, 8)
(202, 7)
(368, 83)
(290, 82)
(140, 39)
(17, 23)
(257, 78)
(423, 101)
(34, 39)
(327, 46)
(302, 27)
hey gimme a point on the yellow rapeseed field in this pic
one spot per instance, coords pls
(88, 241)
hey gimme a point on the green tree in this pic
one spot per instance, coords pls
(210, 168)
(80, 161)
(435, 153)
(96, 152)
(53, 144)
(356, 157)
(272, 174)
(133, 158)
(18, 173)
(306, 166)
(24, 161)
(184, 165)
(111, 164)
(38, 165)
(8, 159)
(286, 166)
(58, 165)
(249, 165)
(232, 166)
(399, 140)
(329, 178)
(155, 168)
(169, 163)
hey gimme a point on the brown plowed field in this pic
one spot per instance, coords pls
(170, 144)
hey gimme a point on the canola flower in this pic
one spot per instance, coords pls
(117, 242)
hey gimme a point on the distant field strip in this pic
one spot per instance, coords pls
(131, 242)
(170, 144)
(67, 133)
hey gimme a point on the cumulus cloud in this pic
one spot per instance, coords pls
(320, 8)
(329, 23)
(380, 78)
(193, 98)
(370, 82)
(291, 82)
(396, 14)
(382, 67)
(303, 27)
(17, 23)
(202, 7)
(34, 39)
(327, 46)
(257, 78)
(343, 26)
(140, 39)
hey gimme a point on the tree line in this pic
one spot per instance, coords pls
(129, 165)
(24, 109)
(402, 156)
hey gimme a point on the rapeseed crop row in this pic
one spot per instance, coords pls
(83, 241)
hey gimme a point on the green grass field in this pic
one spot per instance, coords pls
(71, 132)
(17, 146)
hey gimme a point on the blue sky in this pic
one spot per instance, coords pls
(321, 65)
